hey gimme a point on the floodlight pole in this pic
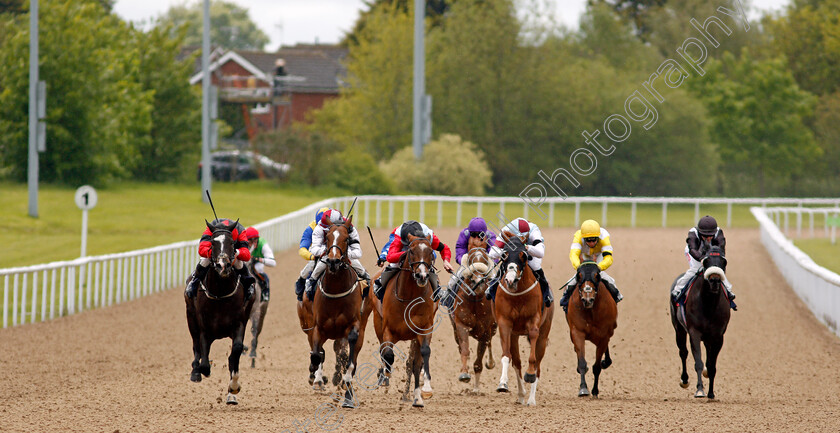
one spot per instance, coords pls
(419, 78)
(205, 104)
(32, 171)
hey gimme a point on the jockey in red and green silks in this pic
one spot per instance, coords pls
(261, 256)
(242, 255)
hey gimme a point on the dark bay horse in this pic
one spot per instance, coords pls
(472, 315)
(257, 315)
(337, 307)
(591, 317)
(704, 318)
(519, 311)
(407, 314)
(219, 310)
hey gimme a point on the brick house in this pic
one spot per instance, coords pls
(277, 88)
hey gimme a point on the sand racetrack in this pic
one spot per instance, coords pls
(126, 368)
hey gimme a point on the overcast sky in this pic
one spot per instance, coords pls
(292, 21)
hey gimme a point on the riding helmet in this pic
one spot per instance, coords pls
(251, 233)
(590, 229)
(411, 227)
(707, 226)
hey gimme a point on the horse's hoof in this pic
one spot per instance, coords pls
(705, 373)
(700, 394)
(502, 388)
(583, 392)
(684, 385)
(520, 400)
(231, 399)
(205, 370)
(348, 404)
(418, 399)
(711, 396)
(464, 377)
(318, 385)
(530, 378)
(195, 376)
(490, 364)
(384, 381)
(426, 394)
(605, 363)
(311, 378)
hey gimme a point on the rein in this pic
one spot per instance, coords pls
(214, 297)
(505, 289)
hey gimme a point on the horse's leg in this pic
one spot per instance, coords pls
(195, 333)
(426, 352)
(233, 362)
(463, 339)
(681, 336)
(316, 360)
(517, 368)
(600, 349)
(533, 336)
(204, 364)
(579, 341)
(409, 369)
(386, 352)
(341, 359)
(477, 367)
(713, 347)
(542, 342)
(490, 363)
(504, 338)
(696, 351)
(420, 351)
(355, 344)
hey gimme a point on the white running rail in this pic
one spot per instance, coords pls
(818, 287)
(43, 292)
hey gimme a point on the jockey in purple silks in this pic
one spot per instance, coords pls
(476, 228)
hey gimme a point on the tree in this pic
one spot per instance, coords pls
(12, 6)
(230, 25)
(757, 112)
(435, 10)
(97, 113)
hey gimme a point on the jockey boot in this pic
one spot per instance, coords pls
(198, 275)
(437, 293)
(299, 287)
(247, 281)
(264, 293)
(366, 279)
(490, 294)
(614, 292)
(310, 289)
(548, 297)
(564, 300)
(382, 282)
(731, 297)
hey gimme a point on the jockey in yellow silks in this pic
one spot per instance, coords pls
(591, 244)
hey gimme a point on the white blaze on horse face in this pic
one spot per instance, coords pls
(221, 241)
(512, 270)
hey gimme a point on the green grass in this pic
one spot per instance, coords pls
(133, 216)
(822, 252)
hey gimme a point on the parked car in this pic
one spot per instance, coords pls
(231, 165)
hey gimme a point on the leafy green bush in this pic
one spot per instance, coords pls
(357, 172)
(450, 166)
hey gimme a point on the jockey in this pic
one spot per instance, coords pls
(396, 246)
(319, 249)
(261, 256)
(707, 233)
(242, 255)
(591, 243)
(303, 251)
(532, 237)
(476, 228)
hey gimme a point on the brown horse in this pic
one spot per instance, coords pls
(219, 310)
(407, 312)
(518, 309)
(704, 318)
(591, 317)
(472, 315)
(257, 316)
(307, 324)
(337, 307)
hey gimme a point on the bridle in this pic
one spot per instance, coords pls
(591, 289)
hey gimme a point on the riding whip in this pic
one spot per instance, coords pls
(351, 207)
(371, 239)
(211, 203)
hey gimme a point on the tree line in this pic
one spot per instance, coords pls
(761, 118)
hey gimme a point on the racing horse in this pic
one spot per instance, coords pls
(519, 310)
(407, 313)
(257, 316)
(337, 307)
(219, 310)
(591, 317)
(472, 315)
(704, 318)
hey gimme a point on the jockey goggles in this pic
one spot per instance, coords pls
(591, 239)
(479, 235)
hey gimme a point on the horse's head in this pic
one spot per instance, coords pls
(338, 241)
(478, 266)
(588, 281)
(715, 264)
(516, 257)
(419, 258)
(222, 248)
